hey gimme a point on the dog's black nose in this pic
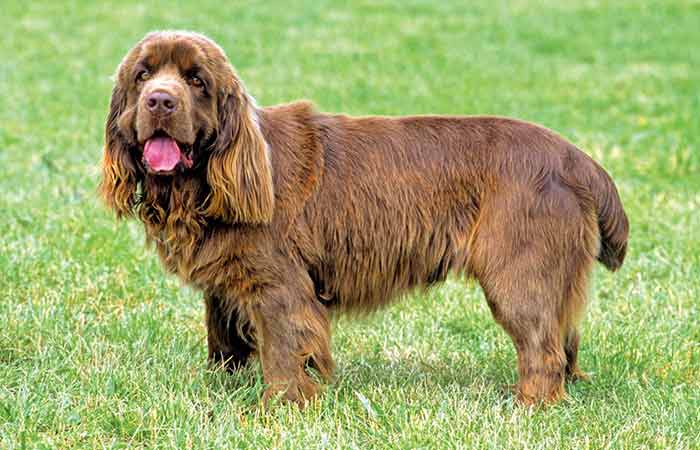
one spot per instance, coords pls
(160, 102)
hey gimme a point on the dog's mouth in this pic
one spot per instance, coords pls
(162, 154)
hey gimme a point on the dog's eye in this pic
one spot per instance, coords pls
(195, 81)
(143, 76)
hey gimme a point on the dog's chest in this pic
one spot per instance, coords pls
(178, 243)
(213, 259)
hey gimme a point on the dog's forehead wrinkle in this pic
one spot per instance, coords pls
(185, 54)
(186, 49)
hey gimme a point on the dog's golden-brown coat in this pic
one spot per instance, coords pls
(288, 214)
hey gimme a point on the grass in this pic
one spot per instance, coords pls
(99, 349)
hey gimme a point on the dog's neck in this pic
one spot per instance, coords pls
(170, 208)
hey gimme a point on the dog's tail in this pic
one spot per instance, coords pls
(612, 220)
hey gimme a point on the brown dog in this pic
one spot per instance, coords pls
(282, 215)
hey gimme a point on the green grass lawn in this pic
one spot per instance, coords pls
(98, 348)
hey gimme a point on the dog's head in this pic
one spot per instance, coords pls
(179, 110)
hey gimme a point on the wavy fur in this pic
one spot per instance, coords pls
(289, 215)
(239, 171)
(119, 174)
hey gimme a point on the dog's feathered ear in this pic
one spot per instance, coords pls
(119, 174)
(239, 171)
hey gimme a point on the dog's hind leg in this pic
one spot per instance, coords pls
(577, 294)
(532, 258)
(529, 315)
(228, 335)
(573, 372)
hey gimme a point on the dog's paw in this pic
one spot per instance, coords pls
(299, 393)
(578, 375)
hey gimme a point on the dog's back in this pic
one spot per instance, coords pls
(400, 199)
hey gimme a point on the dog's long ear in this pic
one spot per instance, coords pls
(119, 174)
(239, 171)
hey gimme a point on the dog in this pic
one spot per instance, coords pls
(284, 216)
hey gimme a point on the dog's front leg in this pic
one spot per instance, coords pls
(293, 333)
(228, 338)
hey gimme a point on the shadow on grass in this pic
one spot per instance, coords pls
(396, 378)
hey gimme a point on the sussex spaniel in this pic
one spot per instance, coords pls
(283, 215)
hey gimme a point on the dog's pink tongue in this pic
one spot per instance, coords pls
(161, 153)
